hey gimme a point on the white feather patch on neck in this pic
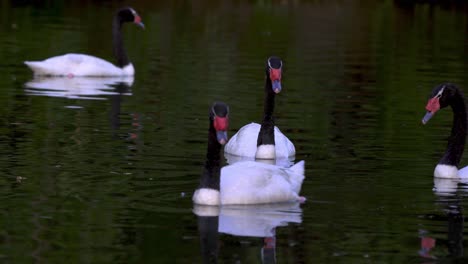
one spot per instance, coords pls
(445, 171)
(206, 196)
(266, 152)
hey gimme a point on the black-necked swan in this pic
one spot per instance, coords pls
(265, 140)
(245, 182)
(73, 64)
(444, 95)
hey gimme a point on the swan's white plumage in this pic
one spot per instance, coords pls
(206, 196)
(446, 171)
(450, 172)
(267, 152)
(250, 182)
(463, 173)
(244, 143)
(78, 65)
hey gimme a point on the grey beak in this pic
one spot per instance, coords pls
(426, 117)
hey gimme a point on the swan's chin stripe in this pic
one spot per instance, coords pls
(265, 152)
(445, 171)
(206, 196)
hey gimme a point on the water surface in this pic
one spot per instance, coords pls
(103, 171)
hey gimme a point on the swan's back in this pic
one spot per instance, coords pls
(463, 173)
(244, 143)
(78, 65)
(250, 182)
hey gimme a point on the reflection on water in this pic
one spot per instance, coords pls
(103, 184)
(79, 87)
(244, 220)
(448, 242)
(450, 187)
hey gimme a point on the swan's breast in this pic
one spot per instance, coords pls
(445, 171)
(266, 152)
(206, 196)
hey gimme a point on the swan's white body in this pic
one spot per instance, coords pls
(450, 172)
(78, 65)
(244, 144)
(463, 173)
(250, 182)
(206, 196)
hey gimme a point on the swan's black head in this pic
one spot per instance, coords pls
(128, 14)
(442, 96)
(219, 118)
(274, 69)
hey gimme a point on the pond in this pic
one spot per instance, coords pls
(103, 170)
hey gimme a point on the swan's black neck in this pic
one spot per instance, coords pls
(266, 136)
(456, 142)
(119, 50)
(211, 173)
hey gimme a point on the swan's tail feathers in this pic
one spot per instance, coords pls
(36, 67)
(297, 177)
(298, 168)
(31, 64)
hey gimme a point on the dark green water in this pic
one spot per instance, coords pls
(105, 174)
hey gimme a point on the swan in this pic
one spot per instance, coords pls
(73, 64)
(443, 95)
(251, 182)
(244, 182)
(265, 140)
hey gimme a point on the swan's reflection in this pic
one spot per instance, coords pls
(449, 193)
(283, 162)
(450, 187)
(78, 87)
(244, 220)
(94, 88)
